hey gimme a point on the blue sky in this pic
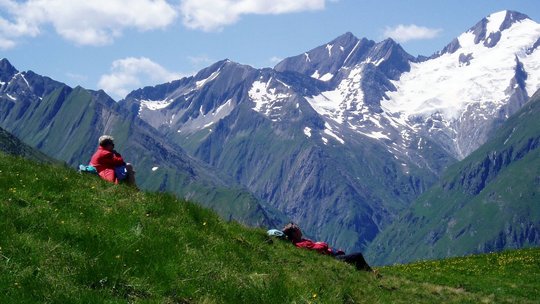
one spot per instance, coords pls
(120, 45)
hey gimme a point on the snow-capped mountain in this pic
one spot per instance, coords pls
(480, 79)
(350, 100)
(455, 98)
(344, 136)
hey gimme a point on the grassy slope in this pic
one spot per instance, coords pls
(70, 238)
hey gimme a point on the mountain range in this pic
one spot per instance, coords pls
(341, 139)
(344, 137)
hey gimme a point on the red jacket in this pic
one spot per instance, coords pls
(321, 247)
(105, 161)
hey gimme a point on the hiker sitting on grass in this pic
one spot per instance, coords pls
(294, 234)
(110, 165)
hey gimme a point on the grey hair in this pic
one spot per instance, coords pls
(105, 140)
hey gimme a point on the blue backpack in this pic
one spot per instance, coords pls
(120, 172)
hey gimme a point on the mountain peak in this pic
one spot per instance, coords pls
(345, 39)
(503, 20)
(489, 29)
(221, 65)
(388, 43)
(324, 61)
(6, 70)
(386, 49)
(347, 35)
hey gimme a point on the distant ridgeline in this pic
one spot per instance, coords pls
(10, 144)
(342, 139)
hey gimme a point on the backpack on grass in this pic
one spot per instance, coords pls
(87, 169)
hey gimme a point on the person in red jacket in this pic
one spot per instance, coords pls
(294, 234)
(106, 160)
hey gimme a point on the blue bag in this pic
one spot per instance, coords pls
(120, 172)
(87, 169)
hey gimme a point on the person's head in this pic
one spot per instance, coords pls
(107, 142)
(293, 232)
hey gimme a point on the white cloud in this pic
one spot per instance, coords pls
(99, 22)
(404, 33)
(132, 73)
(6, 44)
(95, 22)
(212, 15)
(275, 60)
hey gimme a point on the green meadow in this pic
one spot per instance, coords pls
(67, 237)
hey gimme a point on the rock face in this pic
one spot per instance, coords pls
(487, 202)
(65, 123)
